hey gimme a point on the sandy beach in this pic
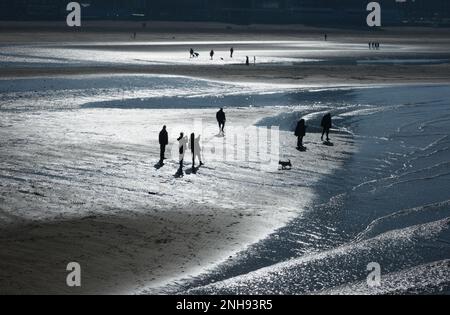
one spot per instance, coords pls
(299, 53)
(80, 117)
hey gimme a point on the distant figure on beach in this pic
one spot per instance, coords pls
(254, 60)
(191, 51)
(231, 52)
(211, 54)
(247, 61)
(221, 119)
(196, 150)
(163, 142)
(326, 125)
(326, 37)
(182, 144)
(300, 132)
(134, 35)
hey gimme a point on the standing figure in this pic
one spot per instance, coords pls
(211, 54)
(163, 142)
(191, 51)
(182, 144)
(198, 150)
(231, 52)
(195, 149)
(221, 119)
(326, 37)
(192, 145)
(300, 132)
(326, 125)
(247, 61)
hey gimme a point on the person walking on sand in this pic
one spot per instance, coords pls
(182, 144)
(326, 125)
(191, 51)
(163, 142)
(326, 37)
(300, 132)
(247, 61)
(221, 119)
(211, 54)
(231, 52)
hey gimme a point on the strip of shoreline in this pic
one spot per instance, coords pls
(301, 75)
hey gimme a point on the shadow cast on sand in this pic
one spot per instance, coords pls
(116, 253)
(179, 173)
(194, 170)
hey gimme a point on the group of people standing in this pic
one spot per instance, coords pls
(183, 143)
(194, 141)
(194, 54)
(374, 45)
(300, 130)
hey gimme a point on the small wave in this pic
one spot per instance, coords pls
(428, 278)
(406, 217)
(395, 251)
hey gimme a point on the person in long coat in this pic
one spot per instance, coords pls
(300, 132)
(326, 125)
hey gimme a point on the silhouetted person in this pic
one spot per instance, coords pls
(211, 54)
(300, 132)
(326, 125)
(326, 37)
(247, 61)
(196, 150)
(221, 119)
(192, 145)
(163, 142)
(231, 52)
(191, 51)
(182, 144)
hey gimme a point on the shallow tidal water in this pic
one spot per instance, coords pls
(388, 202)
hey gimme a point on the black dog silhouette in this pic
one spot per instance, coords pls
(285, 165)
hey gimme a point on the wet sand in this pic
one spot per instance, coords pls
(127, 238)
(337, 67)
